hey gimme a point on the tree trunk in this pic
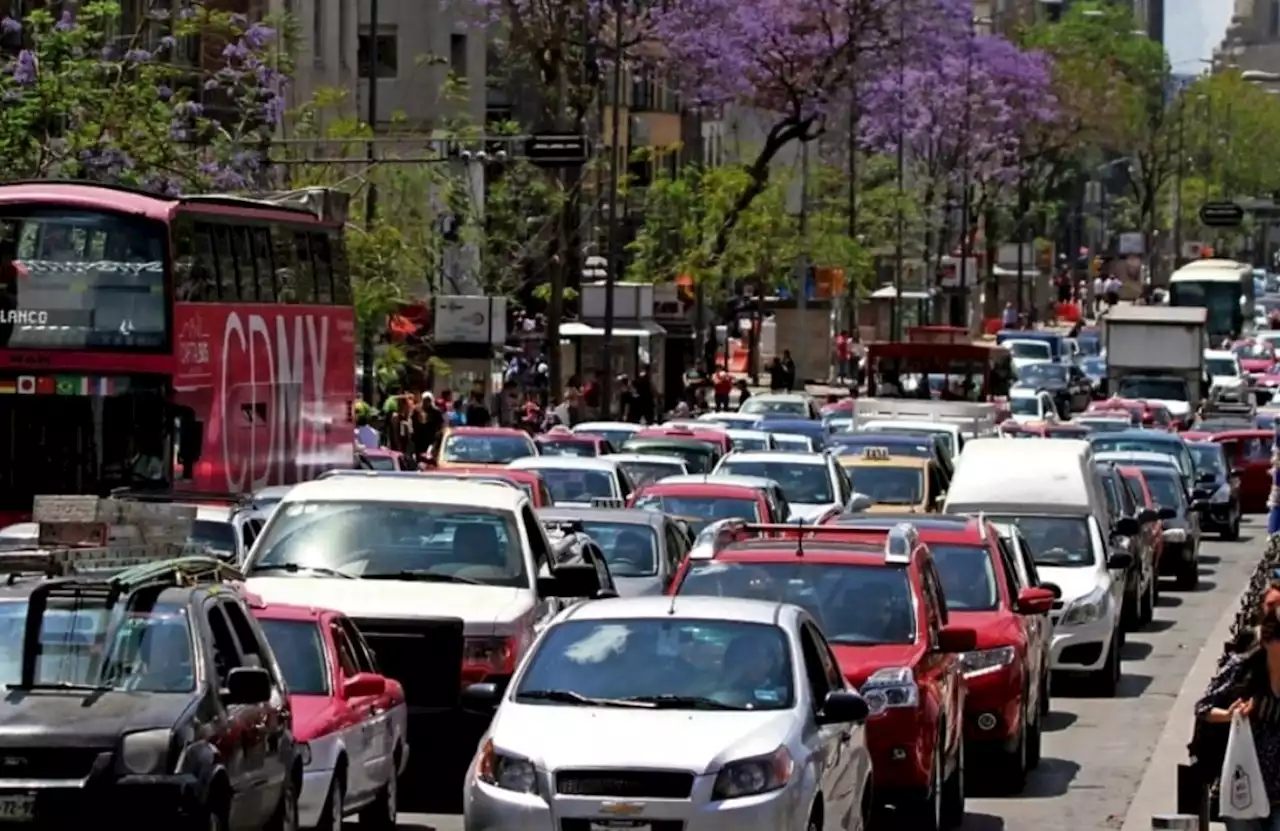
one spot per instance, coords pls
(782, 133)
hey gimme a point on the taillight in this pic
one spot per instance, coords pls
(486, 656)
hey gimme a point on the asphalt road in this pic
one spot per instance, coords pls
(1096, 750)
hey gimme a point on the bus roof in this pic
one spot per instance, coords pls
(1212, 271)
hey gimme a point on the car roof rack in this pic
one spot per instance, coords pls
(902, 537)
(163, 496)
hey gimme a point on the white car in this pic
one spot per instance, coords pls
(1027, 406)
(813, 483)
(780, 746)
(1226, 379)
(588, 481)
(795, 443)
(793, 404)
(1025, 351)
(753, 440)
(614, 432)
(400, 553)
(227, 530)
(642, 467)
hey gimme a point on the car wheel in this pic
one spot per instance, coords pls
(925, 811)
(1189, 574)
(953, 793)
(381, 814)
(1232, 532)
(1106, 680)
(334, 805)
(1014, 764)
(812, 824)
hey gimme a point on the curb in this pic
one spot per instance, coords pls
(1158, 791)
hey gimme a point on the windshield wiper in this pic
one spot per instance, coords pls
(419, 576)
(63, 685)
(571, 697)
(681, 702)
(295, 568)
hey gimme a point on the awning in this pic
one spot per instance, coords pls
(621, 329)
(889, 292)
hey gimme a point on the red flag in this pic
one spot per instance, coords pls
(46, 385)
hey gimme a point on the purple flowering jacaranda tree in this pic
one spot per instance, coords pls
(79, 101)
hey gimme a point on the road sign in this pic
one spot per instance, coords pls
(556, 150)
(1221, 214)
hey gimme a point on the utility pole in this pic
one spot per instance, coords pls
(899, 254)
(611, 278)
(1179, 172)
(966, 206)
(371, 194)
(855, 120)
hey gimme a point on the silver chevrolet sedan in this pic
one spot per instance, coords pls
(698, 713)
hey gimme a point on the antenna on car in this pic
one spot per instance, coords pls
(671, 609)
(800, 537)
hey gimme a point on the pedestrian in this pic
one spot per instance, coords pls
(628, 401)
(777, 382)
(478, 414)
(591, 395)
(366, 436)
(722, 385)
(1111, 291)
(844, 356)
(1099, 286)
(788, 371)
(1009, 317)
(744, 392)
(646, 397)
(505, 402)
(1248, 684)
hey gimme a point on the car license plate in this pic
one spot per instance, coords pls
(617, 824)
(17, 807)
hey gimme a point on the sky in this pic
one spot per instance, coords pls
(1193, 29)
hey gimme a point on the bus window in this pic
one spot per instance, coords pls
(341, 274)
(306, 274)
(261, 239)
(285, 258)
(245, 264)
(323, 269)
(227, 288)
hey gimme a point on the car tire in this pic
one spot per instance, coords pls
(381, 813)
(1189, 574)
(285, 817)
(924, 813)
(1015, 763)
(332, 815)
(1231, 533)
(953, 793)
(1105, 682)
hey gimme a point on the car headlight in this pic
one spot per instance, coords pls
(304, 754)
(147, 752)
(1175, 535)
(760, 774)
(1221, 495)
(986, 661)
(1088, 609)
(890, 687)
(502, 770)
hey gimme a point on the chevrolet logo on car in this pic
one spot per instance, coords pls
(622, 809)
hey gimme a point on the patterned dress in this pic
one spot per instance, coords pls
(1238, 678)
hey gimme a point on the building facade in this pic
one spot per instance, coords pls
(1253, 37)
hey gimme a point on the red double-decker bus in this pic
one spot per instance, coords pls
(200, 344)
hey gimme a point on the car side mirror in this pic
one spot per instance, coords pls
(364, 685)
(860, 502)
(843, 707)
(954, 639)
(1053, 589)
(1120, 561)
(248, 685)
(1035, 601)
(1167, 513)
(481, 698)
(1127, 526)
(1148, 515)
(570, 580)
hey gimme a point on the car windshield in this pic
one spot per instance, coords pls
(888, 485)
(1115, 444)
(485, 450)
(1041, 374)
(377, 461)
(300, 653)
(763, 405)
(219, 537)
(643, 472)
(1254, 350)
(704, 509)
(794, 442)
(1055, 540)
(630, 549)
(1166, 489)
(805, 484)
(1160, 389)
(569, 484)
(853, 604)
(566, 447)
(136, 645)
(968, 577)
(1024, 405)
(667, 662)
(1032, 350)
(392, 540)
(945, 435)
(1221, 366)
(698, 457)
(1208, 458)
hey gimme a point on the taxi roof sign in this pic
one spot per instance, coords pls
(875, 454)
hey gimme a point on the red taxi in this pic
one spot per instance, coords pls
(1008, 674)
(708, 500)
(561, 441)
(1248, 452)
(1256, 357)
(879, 600)
(1043, 430)
(712, 435)
(1139, 412)
(350, 721)
(527, 480)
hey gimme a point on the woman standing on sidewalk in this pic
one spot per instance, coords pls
(1249, 684)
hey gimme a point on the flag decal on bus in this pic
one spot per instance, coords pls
(8, 387)
(26, 385)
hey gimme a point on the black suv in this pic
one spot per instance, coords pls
(148, 693)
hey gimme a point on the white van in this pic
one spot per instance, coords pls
(1056, 500)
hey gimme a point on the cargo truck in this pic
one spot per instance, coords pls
(1156, 354)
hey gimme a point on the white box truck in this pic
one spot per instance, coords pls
(1156, 353)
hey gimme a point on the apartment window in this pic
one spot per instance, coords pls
(387, 53)
(458, 55)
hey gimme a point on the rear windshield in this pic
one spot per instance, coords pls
(1055, 540)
